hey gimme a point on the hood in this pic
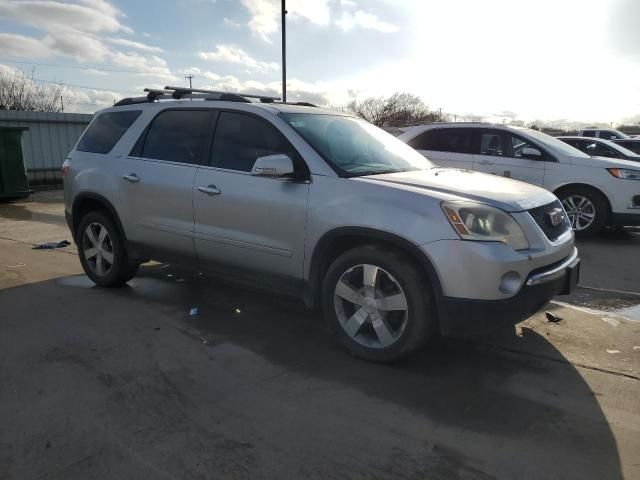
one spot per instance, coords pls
(605, 162)
(507, 194)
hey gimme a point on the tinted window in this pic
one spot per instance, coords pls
(457, 140)
(518, 144)
(598, 150)
(240, 139)
(504, 144)
(178, 136)
(105, 131)
(572, 142)
(633, 145)
(494, 143)
(608, 135)
(589, 133)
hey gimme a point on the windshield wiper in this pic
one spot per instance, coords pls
(373, 172)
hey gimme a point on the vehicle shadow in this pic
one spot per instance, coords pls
(261, 391)
(540, 417)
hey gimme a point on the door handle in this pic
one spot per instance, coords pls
(210, 190)
(486, 162)
(132, 177)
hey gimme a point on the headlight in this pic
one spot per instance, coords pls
(475, 221)
(625, 173)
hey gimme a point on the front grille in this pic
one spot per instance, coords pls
(541, 217)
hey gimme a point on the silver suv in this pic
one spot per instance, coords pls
(318, 204)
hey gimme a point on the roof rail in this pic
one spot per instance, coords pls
(217, 92)
(176, 93)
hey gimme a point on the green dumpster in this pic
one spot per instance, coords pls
(13, 173)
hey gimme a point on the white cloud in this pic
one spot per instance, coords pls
(231, 23)
(265, 14)
(233, 54)
(86, 100)
(75, 29)
(362, 19)
(137, 45)
(78, 45)
(152, 65)
(264, 17)
(21, 46)
(198, 73)
(89, 16)
(297, 90)
(189, 71)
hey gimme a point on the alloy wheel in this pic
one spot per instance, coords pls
(98, 249)
(371, 306)
(580, 210)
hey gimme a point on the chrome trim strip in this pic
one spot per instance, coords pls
(549, 275)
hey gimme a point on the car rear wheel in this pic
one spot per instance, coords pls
(378, 303)
(102, 252)
(586, 208)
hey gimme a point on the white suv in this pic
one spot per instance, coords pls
(319, 205)
(595, 191)
(607, 134)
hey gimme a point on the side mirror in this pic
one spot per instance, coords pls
(532, 153)
(273, 166)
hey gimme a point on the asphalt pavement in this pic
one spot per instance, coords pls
(124, 383)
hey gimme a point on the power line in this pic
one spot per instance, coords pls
(75, 67)
(64, 84)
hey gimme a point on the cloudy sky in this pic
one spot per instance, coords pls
(542, 59)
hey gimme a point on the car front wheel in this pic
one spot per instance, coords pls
(378, 303)
(586, 208)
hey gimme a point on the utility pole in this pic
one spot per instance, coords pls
(284, 52)
(189, 77)
(61, 104)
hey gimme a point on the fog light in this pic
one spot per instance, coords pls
(635, 201)
(510, 282)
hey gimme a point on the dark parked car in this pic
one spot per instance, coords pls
(599, 147)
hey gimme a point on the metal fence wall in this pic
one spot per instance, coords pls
(48, 140)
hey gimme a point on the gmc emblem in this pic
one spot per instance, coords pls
(555, 217)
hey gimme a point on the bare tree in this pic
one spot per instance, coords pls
(371, 109)
(19, 92)
(398, 110)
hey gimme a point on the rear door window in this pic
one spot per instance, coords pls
(494, 144)
(178, 136)
(105, 131)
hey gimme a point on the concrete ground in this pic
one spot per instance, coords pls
(123, 383)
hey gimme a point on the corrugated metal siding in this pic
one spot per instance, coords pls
(48, 140)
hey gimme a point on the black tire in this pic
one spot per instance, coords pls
(599, 202)
(121, 270)
(420, 321)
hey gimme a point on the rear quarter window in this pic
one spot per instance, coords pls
(105, 131)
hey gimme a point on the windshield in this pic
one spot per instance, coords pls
(554, 143)
(355, 147)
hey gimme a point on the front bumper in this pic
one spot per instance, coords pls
(464, 317)
(625, 219)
